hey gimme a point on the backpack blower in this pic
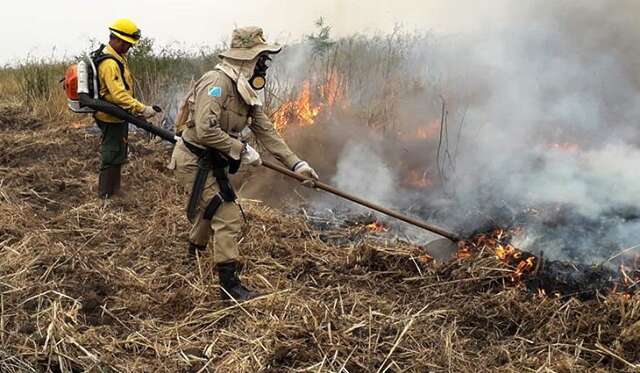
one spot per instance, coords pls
(82, 88)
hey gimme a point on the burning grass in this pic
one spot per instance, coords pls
(93, 286)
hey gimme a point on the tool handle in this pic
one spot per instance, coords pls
(328, 188)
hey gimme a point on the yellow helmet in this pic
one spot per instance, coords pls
(126, 30)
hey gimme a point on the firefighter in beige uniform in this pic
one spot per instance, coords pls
(222, 103)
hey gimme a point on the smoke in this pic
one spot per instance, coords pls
(362, 170)
(546, 107)
(558, 122)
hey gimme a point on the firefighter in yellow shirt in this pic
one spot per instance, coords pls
(116, 86)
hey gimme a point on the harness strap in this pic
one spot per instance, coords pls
(212, 207)
(218, 160)
(98, 56)
(218, 167)
(197, 151)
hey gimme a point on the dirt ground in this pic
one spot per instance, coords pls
(89, 285)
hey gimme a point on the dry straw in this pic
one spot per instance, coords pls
(87, 285)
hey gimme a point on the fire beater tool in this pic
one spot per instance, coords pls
(328, 188)
(441, 249)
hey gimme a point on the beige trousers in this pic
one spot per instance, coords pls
(222, 232)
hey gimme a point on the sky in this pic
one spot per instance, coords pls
(40, 28)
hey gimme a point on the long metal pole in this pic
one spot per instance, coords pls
(328, 188)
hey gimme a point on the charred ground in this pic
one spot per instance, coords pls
(95, 286)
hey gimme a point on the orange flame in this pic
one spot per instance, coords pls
(418, 180)
(463, 253)
(376, 227)
(521, 263)
(332, 91)
(306, 111)
(302, 111)
(426, 132)
(509, 254)
(523, 267)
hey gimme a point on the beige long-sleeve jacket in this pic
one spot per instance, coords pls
(218, 115)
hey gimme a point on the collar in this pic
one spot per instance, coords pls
(108, 49)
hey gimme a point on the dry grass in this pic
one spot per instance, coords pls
(87, 285)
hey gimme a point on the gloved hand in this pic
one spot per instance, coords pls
(302, 168)
(250, 156)
(148, 112)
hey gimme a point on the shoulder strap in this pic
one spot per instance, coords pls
(184, 112)
(98, 56)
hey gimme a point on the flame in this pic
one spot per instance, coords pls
(376, 227)
(463, 253)
(523, 267)
(510, 255)
(424, 259)
(301, 110)
(306, 111)
(418, 180)
(426, 132)
(501, 252)
(332, 91)
(496, 241)
(523, 264)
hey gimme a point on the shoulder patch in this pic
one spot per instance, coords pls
(215, 91)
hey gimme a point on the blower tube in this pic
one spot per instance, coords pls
(120, 113)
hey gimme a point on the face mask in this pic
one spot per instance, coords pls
(259, 78)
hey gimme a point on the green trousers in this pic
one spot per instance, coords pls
(114, 144)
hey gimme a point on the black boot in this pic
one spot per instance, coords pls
(107, 181)
(230, 286)
(196, 249)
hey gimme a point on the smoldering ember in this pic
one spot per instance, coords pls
(419, 199)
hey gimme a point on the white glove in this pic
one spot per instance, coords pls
(302, 168)
(148, 112)
(250, 156)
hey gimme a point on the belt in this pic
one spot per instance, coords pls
(196, 150)
(219, 161)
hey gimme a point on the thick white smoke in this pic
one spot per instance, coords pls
(361, 169)
(551, 110)
(558, 123)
